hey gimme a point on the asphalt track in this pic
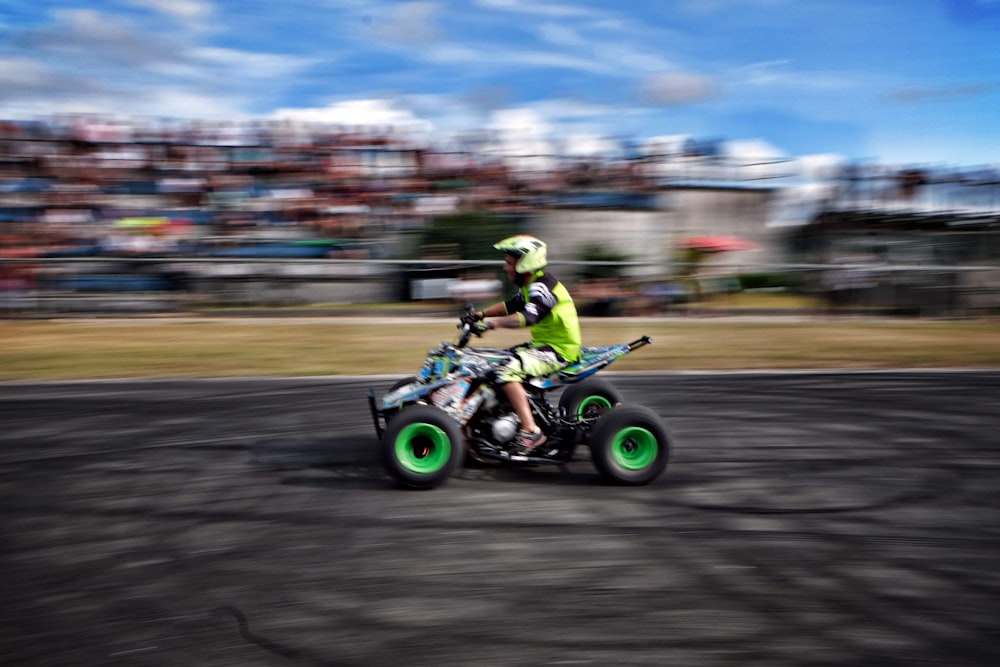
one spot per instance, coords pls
(805, 519)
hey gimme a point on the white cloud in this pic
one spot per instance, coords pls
(764, 73)
(97, 62)
(561, 35)
(89, 36)
(569, 51)
(937, 93)
(751, 149)
(555, 126)
(94, 25)
(186, 103)
(538, 8)
(522, 135)
(150, 101)
(251, 65)
(22, 73)
(629, 60)
(411, 24)
(27, 86)
(674, 88)
(449, 115)
(566, 109)
(525, 122)
(560, 60)
(367, 113)
(453, 53)
(779, 73)
(193, 12)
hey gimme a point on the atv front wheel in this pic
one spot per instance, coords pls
(630, 445)
(422, 447)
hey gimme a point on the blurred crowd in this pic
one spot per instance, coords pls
(92, 184)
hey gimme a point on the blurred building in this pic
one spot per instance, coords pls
(916, 240)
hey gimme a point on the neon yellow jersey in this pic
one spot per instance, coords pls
(545, 305)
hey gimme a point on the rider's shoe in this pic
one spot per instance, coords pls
(526, 442)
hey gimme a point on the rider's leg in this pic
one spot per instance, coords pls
(529, 437)
(526, 362)
(514, 391)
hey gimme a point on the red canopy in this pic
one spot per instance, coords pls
(717, 243)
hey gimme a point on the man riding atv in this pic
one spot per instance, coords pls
(543, 304)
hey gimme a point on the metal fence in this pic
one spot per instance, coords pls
(49, 287)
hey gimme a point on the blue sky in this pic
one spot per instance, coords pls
(891, 81)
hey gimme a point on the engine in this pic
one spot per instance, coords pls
(505, 428)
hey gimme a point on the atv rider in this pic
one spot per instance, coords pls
(543, 304)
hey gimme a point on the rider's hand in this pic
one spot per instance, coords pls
(479, 328)
(473, 317)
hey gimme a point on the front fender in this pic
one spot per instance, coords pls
(408, 393)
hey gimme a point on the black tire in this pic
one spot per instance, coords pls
(630, 445)
(589, 399)
(422, 447)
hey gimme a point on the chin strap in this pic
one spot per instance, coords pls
(522, 279)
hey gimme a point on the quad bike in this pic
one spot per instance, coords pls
(451, 409)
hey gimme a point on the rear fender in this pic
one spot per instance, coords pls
(592, 359)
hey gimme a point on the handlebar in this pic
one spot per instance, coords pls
(645, 340)
(464, 327)
(466, 333)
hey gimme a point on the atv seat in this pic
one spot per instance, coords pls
(592, 359)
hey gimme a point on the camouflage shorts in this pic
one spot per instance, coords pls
(525, 362)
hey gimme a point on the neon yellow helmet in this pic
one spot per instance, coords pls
(529, 251)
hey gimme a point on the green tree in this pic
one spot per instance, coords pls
(473, 233)
(600, 254)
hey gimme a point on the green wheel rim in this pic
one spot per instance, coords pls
(422, 448)
(591, 403)
(634, 448)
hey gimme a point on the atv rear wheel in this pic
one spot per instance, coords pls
(630, 445)
(422, 447)
(589, 399)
